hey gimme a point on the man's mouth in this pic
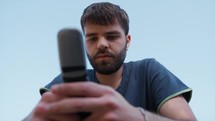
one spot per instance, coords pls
(103, 56)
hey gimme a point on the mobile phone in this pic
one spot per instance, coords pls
(43, 90)
(72, 55)
(72, 58)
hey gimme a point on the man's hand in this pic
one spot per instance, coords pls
(40, 112)
(65, 101)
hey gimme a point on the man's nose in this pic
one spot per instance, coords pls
(102, 44)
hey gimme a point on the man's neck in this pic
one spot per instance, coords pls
(112, 80)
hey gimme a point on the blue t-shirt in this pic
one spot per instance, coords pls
(145, 83)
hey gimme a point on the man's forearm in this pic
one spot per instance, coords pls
(149, 116)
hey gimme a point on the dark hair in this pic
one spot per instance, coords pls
(105, 13)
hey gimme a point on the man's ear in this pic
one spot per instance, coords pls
(128, 40)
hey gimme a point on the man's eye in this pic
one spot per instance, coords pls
(111, 37)
(92, 39)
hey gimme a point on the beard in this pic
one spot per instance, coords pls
(108, 66)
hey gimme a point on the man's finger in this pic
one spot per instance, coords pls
(42, 113)
(50, 97)
(81, 89)
(82, 104)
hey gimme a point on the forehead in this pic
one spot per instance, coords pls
(95, 28)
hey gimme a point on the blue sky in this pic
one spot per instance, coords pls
(180, 34)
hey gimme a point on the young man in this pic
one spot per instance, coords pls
(141, 90)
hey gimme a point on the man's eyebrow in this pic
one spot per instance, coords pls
(107, 33)
(113, 32)
(90, 34)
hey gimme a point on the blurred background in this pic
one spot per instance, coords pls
(180, 34)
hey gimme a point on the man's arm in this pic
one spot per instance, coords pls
(177, 108)
(104, 103)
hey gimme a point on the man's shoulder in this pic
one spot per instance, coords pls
(145, 61)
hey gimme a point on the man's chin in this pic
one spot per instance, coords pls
(106, 70)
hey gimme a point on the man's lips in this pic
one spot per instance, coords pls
(103, 56)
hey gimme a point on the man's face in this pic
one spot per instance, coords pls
(106, 47)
